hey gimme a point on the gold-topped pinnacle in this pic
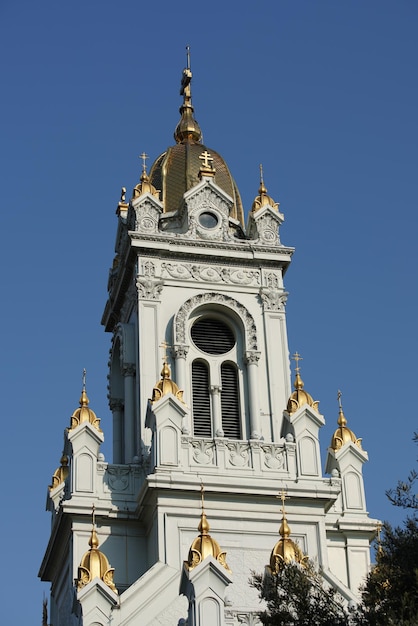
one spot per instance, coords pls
(204, 545)
(263, 199)
(343, 434)
(84, 414)
(165, 385)
(299, 397)
(122, 204)
(285, 549)
(94, 563)
(187, 130)
(144, 185)
(60, 473)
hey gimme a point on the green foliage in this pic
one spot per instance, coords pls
(390, 595)
(403, 494)
(296, 596)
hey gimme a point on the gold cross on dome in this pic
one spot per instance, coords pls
(296, 357)
(144, 157)
(84, 378)
(261, 173)
(205, 157)
(339, 394)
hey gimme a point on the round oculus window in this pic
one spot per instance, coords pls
(208, 219)
(212, 336)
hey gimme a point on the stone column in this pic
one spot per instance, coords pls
(116, 406)
(252, 359)
(128, 372)
(215, 395)
(180, 354)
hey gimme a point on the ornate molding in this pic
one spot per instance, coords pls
(238, 453)
(211, 273)
(180, 351)
(202, 451)
(273, 299)
(149, 289)
(247, 319)
(147, 214)
(252, 357)
(118, 478)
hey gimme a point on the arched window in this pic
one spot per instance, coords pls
(216, 401)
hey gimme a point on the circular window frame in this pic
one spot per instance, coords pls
(221, 320)
(212, 214)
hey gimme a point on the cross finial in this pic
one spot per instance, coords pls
(93, 515)
(296, 357)
(144, 157)
(123, 194)
(339, 394)
(164, 344)
(206, 159)
(283, 496)
(261, 174)
(202, 495)
(188, 57)
(84, 379)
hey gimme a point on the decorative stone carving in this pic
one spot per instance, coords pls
(274, 456)
(128, 369)
(118, 478)
(273, 299)
(252, 357)
(211, 273)
(267, 227)
(147, 214)
(206, 198)
(216, 298)
(180, 351)
(202, 451)
(149, 289)
(272, 280)
(238, 453)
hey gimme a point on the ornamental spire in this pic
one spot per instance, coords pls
(187, 130)
(343, 434)
(285, 550)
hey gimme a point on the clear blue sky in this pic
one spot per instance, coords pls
(323, 93)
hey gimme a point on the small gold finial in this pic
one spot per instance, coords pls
(187, 130)
(83, 413)
(263, 199)
(285, 550)
(144, 185)
(165, 385)
(94, 563)
(299, 397)
(343, 434)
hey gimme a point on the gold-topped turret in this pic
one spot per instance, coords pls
(94, 563)
(263, 199)
(165, 385)
(60, 473)
(299, 397)
(343, 434)
(145, 185)
(83, 413)
(285, 550)
(204, 545)
(187, 130)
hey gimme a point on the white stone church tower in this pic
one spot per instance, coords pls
(197, 295)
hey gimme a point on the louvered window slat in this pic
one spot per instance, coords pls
(212, 336)
(202, 423)
(231, 418)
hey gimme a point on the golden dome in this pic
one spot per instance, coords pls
(285, 550)
(165, 385)
(204, 545)
(94, 564)
(60, 473)
(343, 434)
(263, 199)
(180, 168)
(84, 414)
(300, 397)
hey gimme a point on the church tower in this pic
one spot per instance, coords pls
(200, 394)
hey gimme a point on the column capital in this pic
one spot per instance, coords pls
(180, 351)
(252, 357)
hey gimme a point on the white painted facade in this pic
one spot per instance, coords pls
(171, 271)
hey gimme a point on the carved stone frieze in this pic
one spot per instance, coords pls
(273, 299)
(238, 453)
(274, 456)
(202, 451)
(215, 298)
(235, 618)
(211, 273)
